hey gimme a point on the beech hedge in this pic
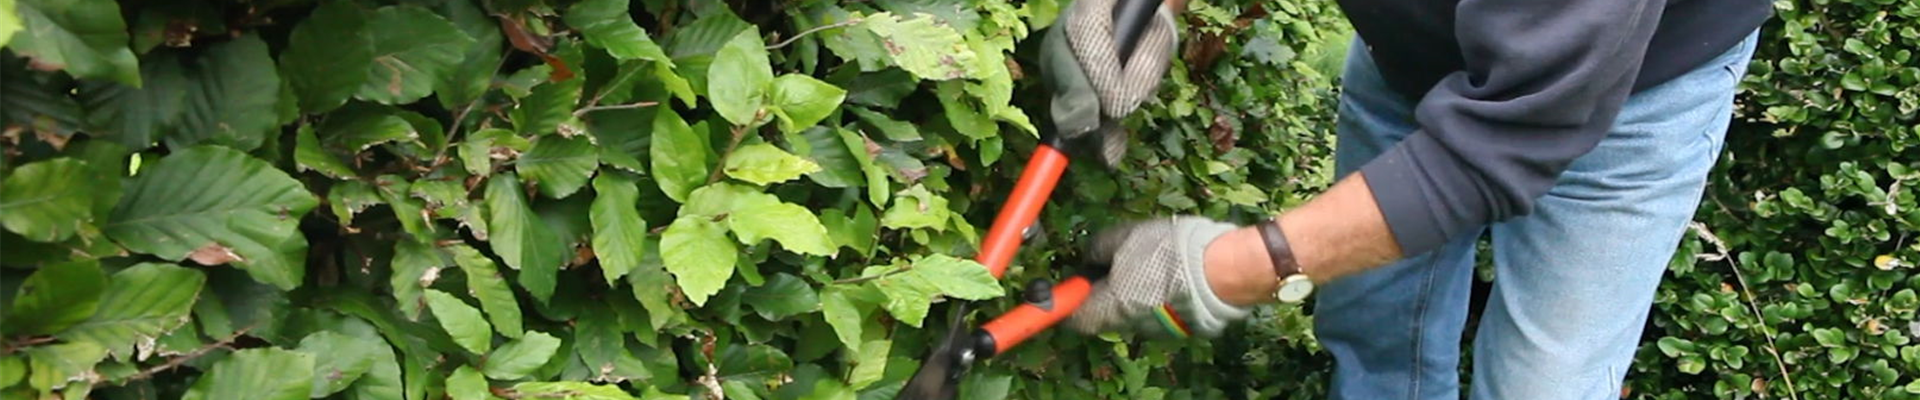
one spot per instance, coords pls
(660, 199)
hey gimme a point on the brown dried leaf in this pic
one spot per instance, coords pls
(1222, 133)
(213, 254)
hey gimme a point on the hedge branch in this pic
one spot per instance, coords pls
(183, 359)
(1766, 331)
(628, 106)
(797, 36)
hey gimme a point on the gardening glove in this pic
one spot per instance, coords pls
(1092, 89)
(1157, 285)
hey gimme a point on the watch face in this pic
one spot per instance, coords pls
(1294, 289)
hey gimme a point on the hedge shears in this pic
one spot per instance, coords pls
(1044, 304)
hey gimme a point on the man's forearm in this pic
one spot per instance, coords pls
(1338, 233)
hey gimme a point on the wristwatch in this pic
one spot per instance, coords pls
(1294, 286)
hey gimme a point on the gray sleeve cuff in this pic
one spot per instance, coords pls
(1410, 183)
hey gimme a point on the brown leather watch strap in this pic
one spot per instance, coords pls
(1277, 249)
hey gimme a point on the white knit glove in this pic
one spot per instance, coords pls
(1090, 86)
(1157, 285)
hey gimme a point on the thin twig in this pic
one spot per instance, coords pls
(15, 346)
(183, 359)
(739, 133)
(1766, 331)
(804, 33)
(619, 79)
(643, 104)
(859, 279)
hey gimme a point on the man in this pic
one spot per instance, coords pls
(1579, 132)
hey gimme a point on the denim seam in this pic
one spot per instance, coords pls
(1420, 324)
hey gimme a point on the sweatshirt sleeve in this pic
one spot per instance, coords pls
(1541, 84)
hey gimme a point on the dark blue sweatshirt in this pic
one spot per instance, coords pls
(1512, 91)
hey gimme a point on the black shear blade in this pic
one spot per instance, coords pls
(940, 372)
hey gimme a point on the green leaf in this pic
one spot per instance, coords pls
(309, 156)
(651, 285)
(872, 364)
(878, 185)
(696, 250)
(743, 362)
(1828, 337)
(605, 24)
(962, 114)
(744, 74)
(485, 283)
(54, 366)
(520, 357)
(678, 154)
(395, 191)
(141, 303)
(339, 360)
(801, 101)
(467, 384)
(9, 24)
(1692, 365)
(600, 341)
(234, 98)
(619, 234)
(383, 380)
(356, 128)
(466, 81)
(722, 198)
(13, 368)
(838, 167)
(570, 391)
(47, 201)
(987, 386)
(559, 166)
(910, 292)
(43, 107)
(892, 129)
(136, 116)
(327, 55)
(236, 202)
(1674, 347)
(461, 321)
(263, 373)
(790, 224)
(412, 261)
(957, 277)
(783, 296)
(674, 83)
(55, 297)
(845, 308)
(761, 164)
(521, 239)
(916, 208)
(922, 46)
(548, 108)
(412, 49)
(87, 38)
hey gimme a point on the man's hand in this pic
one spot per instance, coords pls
(1091, 86)
(1158, 283)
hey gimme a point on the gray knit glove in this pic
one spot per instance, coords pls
(1092, 89)
(1157, 286)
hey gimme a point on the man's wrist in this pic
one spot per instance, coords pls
(1239, 269)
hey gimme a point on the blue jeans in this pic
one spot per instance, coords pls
(1574, 279)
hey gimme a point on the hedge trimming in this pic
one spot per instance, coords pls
(470, 199)
(588, 199)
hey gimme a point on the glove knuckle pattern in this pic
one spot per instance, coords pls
(1121, 86)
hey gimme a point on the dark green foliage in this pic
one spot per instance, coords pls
(1814, 206)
